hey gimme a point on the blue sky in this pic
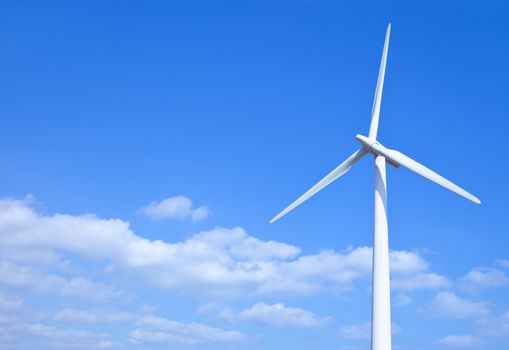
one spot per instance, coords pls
(145, 146)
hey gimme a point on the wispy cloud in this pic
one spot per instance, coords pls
(495, 326)
(479, 278)
(420, 280)
(460, 341)
(19, 334)
(8, 302)
(22, 327)
(356, 331)
(178, 207)
(402, 299)
(158, 330)
(277, 315)
(449, 305)
(30, 279)
(503, 262)
(363, 331)
(91, 316)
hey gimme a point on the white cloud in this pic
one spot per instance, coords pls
(152, 329)
(503, 262)
(26, 328)
(420, 280)
(220, 261)
(277, 315)
(395, 328)
(356, 331)
(23, 335)
(363, 331)
(208, 308)
(91, 316)
(8, 302)
(495, 326)
(178, 207)
(42, 330)
(449, 305)
(402, 300)
(409, 272)
(24, 277)
(461, 341)
(404, 262)
(483, 278)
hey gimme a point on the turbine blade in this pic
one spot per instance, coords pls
(429, 174)
(375, 113)
(332, 176)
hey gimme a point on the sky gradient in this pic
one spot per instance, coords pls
(146, 145)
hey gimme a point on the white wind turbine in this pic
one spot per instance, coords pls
(381, 304)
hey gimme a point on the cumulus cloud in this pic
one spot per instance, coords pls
(277, 315)
(158, 330)
(460, 341)
(407, 262)
(219, 261)
(449, 305)
(410, 272)
(178, 207)
(479, 278)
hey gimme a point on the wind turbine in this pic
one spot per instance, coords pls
(381, 304)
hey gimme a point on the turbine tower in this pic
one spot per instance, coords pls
(381, 304)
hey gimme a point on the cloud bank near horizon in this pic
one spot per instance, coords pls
(99, 262)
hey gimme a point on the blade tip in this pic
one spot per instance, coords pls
(474, 199)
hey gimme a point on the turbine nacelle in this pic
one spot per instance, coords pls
(367, 143)
(376, 148)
